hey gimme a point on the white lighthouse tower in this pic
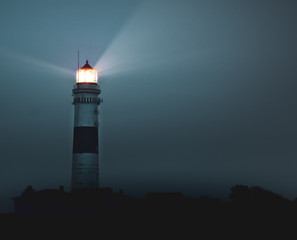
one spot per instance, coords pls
(85, 162)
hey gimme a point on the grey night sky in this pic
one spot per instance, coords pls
(198, 95)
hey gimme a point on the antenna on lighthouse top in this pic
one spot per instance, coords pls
(78, 56)
(78, 62)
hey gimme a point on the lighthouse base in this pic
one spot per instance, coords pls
(85, 170)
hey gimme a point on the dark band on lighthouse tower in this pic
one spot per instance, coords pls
(85, 162)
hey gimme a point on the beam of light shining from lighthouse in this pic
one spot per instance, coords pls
(140, 46)
(37, 62)
(127, 50)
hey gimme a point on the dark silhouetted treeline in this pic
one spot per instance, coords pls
(243, 200)
(102, 208)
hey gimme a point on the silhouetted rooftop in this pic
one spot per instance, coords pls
(43, 195)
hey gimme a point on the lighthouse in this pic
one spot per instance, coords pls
(85, 161)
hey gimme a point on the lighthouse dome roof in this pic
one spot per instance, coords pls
(87, 66)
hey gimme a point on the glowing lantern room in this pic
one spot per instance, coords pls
(86, 74)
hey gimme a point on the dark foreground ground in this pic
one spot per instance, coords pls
(235, 224)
